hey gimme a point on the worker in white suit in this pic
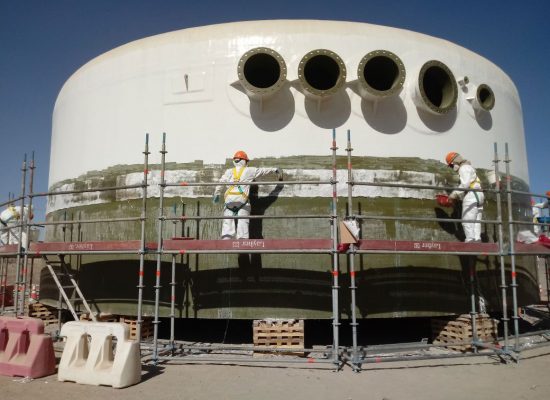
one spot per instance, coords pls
(537, 212)
(236, 201)
(472, 201)
(10, 218)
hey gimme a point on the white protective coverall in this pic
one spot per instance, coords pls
(472, 202)
(236, 202)
(9, 219)
(537, 212)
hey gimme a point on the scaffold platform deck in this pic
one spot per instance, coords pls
(189, 245)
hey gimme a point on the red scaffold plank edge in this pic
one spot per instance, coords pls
(249, 244)
(531, 248)
(9, 248)
(122, 245)
(431, 246)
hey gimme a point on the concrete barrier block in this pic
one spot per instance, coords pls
(24, 348)
(99, 353)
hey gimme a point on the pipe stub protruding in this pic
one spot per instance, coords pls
(485, 98)
(436, 88)
(322, 73)
(380, 74)
(261, 72)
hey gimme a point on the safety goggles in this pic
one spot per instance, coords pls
(238, 159)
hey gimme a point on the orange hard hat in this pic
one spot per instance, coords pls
(242, 155)
(548, 194)
(450, 157)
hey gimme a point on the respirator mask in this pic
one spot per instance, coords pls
(237, 162)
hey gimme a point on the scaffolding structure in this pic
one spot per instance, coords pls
(171, 350)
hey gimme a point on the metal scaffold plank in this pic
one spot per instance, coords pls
(93, 246)
(427, 246)
(532, 249)
(322, 245)
(9, 249)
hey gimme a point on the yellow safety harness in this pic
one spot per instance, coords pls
(237, 178)
(473, 186)
(239, 191)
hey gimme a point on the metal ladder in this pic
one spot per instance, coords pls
(57, 277)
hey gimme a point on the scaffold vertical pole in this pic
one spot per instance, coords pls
(334, 234)
(60, 295)
(503, 286)
(27, 219)
(351, 256)
(20, 241)
(513, 283)
(142, 249)
(161, 217)
(473, 312)
(3, 281)
(173, 303)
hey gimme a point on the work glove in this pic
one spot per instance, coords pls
(445, 201)
(279, 172)
(216, 199)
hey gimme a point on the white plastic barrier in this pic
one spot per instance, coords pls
(89, 357)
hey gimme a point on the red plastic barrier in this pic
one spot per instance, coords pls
(24, 348)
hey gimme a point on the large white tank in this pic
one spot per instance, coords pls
(276, 89)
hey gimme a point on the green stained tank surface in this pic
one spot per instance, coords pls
(254, 286)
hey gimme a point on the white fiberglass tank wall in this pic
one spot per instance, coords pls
(276, 89)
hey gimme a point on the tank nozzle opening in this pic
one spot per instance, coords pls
(261, 72)
(437, 90)
(380, 74)
(484, 99)
(322, 73)
(464, 81)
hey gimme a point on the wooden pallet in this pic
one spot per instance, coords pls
(146, 326)
(460, 330)
(100, 317)
(279, 334)
(45, 313)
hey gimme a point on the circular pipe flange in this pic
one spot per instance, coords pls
(321, 72)
(261, 71)
(381, 73)
(485, 98)
(437, 87)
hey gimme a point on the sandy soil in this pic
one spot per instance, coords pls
(449, 379)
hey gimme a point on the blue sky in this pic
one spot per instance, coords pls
(43, 42)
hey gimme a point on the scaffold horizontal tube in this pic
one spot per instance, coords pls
(211, 360)
(525, 193)
(105, 189)
(12, 201)
(427, 219)
(250, 183)
(411, 186)
(198, 217)
(84, 221)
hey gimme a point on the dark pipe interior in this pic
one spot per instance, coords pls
(381, 73)
(321, 72)
(486, 98)
(262, 70)
(438, 87)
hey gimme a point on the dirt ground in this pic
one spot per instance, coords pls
(459, 378)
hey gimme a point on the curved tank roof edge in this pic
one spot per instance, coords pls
(256, 27)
